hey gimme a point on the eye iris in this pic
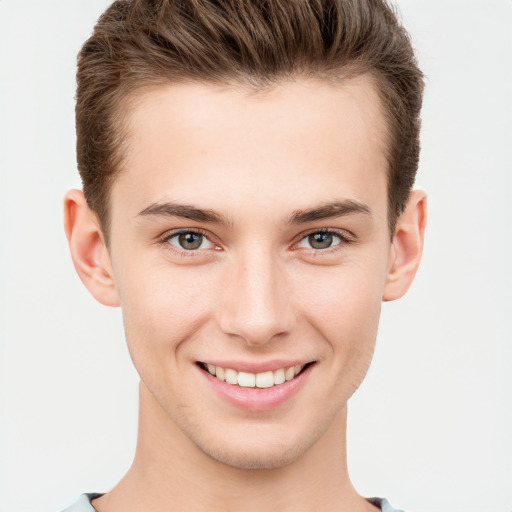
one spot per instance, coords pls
(190, 241)
(320, 240)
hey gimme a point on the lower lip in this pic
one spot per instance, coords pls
(257, 399)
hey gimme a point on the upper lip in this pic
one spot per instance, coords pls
(257, 366)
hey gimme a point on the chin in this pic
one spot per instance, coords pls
(254, 458)
(259, 450)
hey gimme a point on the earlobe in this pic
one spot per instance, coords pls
(88, 249)
(407, 246)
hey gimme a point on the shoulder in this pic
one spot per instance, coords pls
(384, 505)
(83, 504)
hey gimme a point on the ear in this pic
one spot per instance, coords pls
(88, 249)
(407, 246)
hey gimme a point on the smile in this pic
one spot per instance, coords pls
(266, 379)
(264, 388)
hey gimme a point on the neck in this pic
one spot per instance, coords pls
(170, 473)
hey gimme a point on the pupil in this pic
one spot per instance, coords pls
(190, 240)
(320, 240)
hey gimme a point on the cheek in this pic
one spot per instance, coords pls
(162, 307)
(344, 306)
(347, 320)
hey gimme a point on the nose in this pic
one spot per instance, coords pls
(256, 304)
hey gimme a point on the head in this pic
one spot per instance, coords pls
(140, 44)
(247, 172)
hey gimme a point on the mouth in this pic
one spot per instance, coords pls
(261, 380)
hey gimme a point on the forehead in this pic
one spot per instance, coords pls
(294, 142)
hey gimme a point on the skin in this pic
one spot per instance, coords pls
(255, 290)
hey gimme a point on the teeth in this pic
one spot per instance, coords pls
(231, 376)
(220, 373)
(265, 380)
(258, 380)
(246, 380)
(279, 376)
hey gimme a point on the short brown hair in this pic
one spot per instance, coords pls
(255, 43)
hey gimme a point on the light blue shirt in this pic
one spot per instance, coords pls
(84, 504)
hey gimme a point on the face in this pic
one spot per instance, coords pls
(250, 250)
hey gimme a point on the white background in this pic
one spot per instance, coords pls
(431, 427)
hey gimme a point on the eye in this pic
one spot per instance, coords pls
(189, 241)
(322, 240)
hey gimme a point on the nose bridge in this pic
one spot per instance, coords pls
(257, 306)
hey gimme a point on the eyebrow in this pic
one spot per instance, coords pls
(329, 211)
(325, 211)
(185, 211)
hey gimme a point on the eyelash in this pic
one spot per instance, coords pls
(344, 237)
(184, 253)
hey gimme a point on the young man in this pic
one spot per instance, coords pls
(247, 170)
